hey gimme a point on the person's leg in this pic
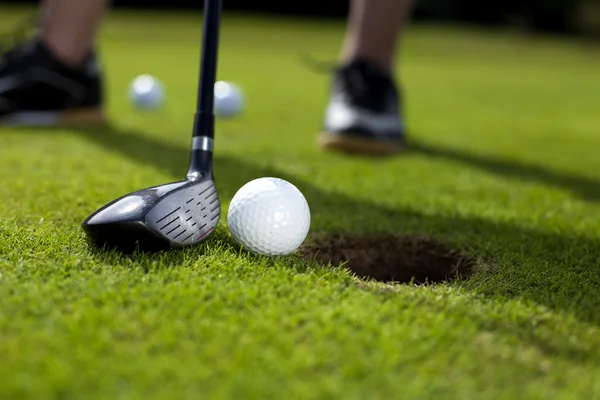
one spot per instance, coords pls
(364, 112)
(54, 76)
(373, 30)
(70, 28)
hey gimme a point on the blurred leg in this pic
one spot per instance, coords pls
(70, 27)
(374, 27)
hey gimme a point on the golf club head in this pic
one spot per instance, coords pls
(163, 217)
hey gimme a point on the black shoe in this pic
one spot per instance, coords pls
(363, 115)
(38, 89)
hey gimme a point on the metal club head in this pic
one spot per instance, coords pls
(173, 215)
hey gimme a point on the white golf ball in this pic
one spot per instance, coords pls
(229, 100)
(269, 216)
(146, 92)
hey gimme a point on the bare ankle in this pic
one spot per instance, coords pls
(64, 51)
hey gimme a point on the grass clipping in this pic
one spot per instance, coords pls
(396, 258)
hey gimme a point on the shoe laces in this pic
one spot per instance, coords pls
(365, 84)
(359, 81)
(317, 65)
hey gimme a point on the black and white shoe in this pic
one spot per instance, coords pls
(37, 89)
(363, 115)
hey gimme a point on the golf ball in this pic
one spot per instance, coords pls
(146, 92)
(269, 216)
(228, 99)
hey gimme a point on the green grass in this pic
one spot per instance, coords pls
(503, 163)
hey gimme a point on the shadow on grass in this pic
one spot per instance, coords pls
(586, 188)
(558, 271)
(156, 260)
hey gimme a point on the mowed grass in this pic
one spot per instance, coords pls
(503, 164)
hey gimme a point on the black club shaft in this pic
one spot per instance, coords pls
(203, 134)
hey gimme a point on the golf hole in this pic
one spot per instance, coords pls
(397, 258)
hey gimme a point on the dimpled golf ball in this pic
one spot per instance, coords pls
(228, 99)
(269, 216)
(146, 92)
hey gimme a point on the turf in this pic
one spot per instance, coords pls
(503, 164)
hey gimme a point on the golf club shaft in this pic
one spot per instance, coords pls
(204, 121)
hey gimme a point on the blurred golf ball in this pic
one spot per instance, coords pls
(146, 92)
(228, 99)
(269, 216)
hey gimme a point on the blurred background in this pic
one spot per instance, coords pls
(549, 16)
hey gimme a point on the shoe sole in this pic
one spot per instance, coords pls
(87, 117)
(356, 145)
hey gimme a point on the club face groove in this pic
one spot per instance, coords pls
(184, 224)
